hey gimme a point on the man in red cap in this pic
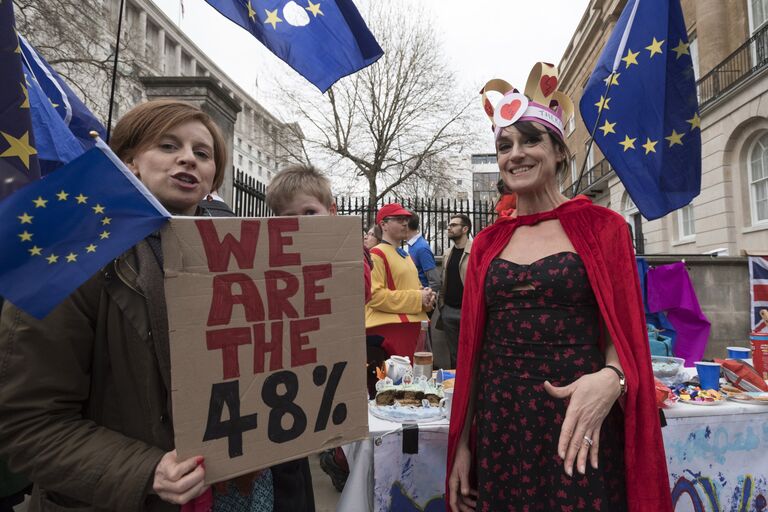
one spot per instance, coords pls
(398, 302)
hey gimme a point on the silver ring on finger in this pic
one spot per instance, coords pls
(588, 440)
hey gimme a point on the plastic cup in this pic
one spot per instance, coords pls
(447, 402)
(738, 352)
(709, 374)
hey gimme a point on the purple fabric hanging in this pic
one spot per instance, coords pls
(670, 290)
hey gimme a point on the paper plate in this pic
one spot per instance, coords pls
(691, 402)
(748, 398)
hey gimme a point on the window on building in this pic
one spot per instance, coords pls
(693, 49)
(459, 182)
(685, 223)
(635, 222)
(240, 160)
(261, 172)
(574, 171)
(250, 149)
(239, 142)
(758, 14)
(250, 165)
(590, 154)
(259, 155)
(571, 124)
(757, 163)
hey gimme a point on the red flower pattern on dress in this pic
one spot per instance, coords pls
(543, 324)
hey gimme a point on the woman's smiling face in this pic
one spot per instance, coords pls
(527, 161)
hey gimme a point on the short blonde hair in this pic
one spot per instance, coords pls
(298, 179)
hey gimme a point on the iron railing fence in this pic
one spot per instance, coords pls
(745, 61)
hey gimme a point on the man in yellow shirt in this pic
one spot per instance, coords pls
(398, 302)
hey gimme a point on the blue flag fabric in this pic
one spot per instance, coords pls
(323, 41)
(60, 230)
(18, 156)
(643, 89)
(68, 106)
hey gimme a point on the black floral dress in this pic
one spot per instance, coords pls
(542, 324)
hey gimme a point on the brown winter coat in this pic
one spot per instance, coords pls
(84, 393)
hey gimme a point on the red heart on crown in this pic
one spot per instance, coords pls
(548, 84)
(488, 108)
(509, 110)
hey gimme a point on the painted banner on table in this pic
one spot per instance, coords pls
(718, 463)
(410, 482)
(267, 338)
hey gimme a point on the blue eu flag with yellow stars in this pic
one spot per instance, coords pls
(323, 40)
(642, 98)
(57, 232)
(59, 229)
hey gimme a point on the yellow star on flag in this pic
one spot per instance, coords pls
(91, 248)
(40, 202)
(98, 208)
(52, 259)
(628, 143)
(104, 235)
(654, 47)
(105, 221)
(314, 8)
(25, 218)
(695, 121)
(18, 147)
(272, 18)
(26, 236)
(613, 78)
(251, 12)
(25, 103)
(71, 257)
(650, 145)
(81, 199)
(35, 251)
(608, 128)
(681, 49)
(675, 138)
(603, 104)
(62, 196)
(631, 57)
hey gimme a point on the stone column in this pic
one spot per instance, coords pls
(142, 33)
(204, 93)
(161, 65)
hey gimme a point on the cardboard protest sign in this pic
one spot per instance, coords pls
(267, 338)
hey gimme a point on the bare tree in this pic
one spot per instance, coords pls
(390, 123)
(71, 35)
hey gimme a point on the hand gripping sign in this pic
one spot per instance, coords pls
(267, 338)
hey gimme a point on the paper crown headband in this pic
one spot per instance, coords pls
(542, 102)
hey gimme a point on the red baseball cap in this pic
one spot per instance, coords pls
(391, 210)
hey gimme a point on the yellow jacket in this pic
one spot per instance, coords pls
(398, 301)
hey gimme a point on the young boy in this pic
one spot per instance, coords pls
(303, 190)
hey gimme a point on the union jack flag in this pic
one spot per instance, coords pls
(758, 280)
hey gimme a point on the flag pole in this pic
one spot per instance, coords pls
(592, 135)
(114, 67)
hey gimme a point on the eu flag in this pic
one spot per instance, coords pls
(323, 40)
(76, 116)
(642, 97)
(18, 156)
(60, 230)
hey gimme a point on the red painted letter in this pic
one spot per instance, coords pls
(261, 347)
(223, 299)
(277, 242)
(218, 252)
(312, 274)
(227, 340)
(299, 355)
(277, 298)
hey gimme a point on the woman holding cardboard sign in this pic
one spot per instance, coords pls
(552, 320)
(85, 407)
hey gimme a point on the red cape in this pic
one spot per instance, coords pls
(601, 238)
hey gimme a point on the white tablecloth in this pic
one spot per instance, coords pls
(717, 457)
